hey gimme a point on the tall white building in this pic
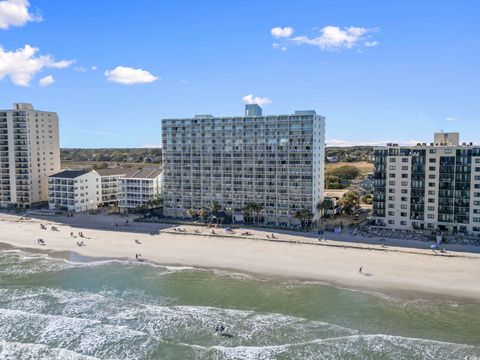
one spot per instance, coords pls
(29, 153)
(276, 161)
(434, 187)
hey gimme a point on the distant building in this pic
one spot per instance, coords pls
(367, 183)
(29, 153)
(332, 159)
(275, 161)
(139, 187)
(74, 190)
(433, 187)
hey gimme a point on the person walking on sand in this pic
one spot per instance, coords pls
(360, 270)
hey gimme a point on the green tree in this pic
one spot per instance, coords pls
(192, 212)
(305, 216)
(349, 200)
(203, 214)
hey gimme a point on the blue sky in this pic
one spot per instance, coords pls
(379, 71)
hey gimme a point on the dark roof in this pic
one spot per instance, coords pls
(69, 174)
(112, 171)
(143, 173)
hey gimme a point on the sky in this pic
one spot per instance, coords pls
(379, 71)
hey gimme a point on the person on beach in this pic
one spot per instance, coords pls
(360, 270)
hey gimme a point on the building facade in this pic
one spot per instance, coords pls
(29, 153)
(111, 185)
(276, 161)
(434, 187)
(139, 187)
(74, 190)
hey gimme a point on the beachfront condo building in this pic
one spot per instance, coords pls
(140, 187)
(111, 184)
(433, 187)
(275, 161)
(74, 190)
(29, 153)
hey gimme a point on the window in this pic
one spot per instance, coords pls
(404, 176)
(391, 191)
(431, 168)
(391, 198)
(391, 222)
(476, 219)
(404, 198)
(432, 160)
(431, 216)
(477, 161)
(392, 167)
(477, 169)
(405, 160)
(431, 184)
(392, 183)
(405, 168)
(392, 159)
(431, 201)
(433, 151)
(431, 192)
(431, 208)
(404, 183)
(403, 207)
(403, 223)
(431, 176)
(391, 206)
(391, 175)
(448, 151)
(403, 214)
(391, 213)
(404, 191)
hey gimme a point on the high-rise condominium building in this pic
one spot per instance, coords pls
(433, 187)
(29, 153)
(275, 161)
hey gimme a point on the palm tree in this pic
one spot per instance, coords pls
(305, 216)
(192, 212)
(349, 200)
(257, 209)
(247, 212)
(215, 207)
(203, 214)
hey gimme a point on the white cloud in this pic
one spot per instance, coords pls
(371, 43)
(129, 76)
(16, 13)
(250, 99)
(46, 81)
(345, 143)
(335, 38)
(83, 69)
(451, 118)
(21, 65)
(279, 32)
(151, 146)
(62, 64)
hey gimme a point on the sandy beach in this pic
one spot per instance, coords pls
(393, 270)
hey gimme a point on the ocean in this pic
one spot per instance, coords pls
(52, 308)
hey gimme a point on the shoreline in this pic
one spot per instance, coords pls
(400, 272)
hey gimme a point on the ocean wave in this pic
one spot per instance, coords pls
(31, 351)
(360, 347)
